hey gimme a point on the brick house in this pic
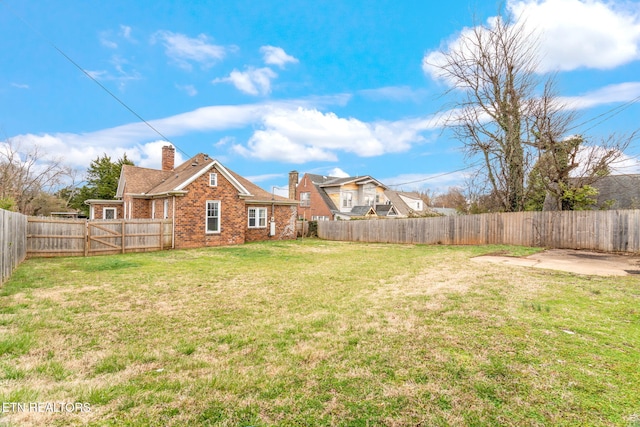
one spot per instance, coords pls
(208, 204)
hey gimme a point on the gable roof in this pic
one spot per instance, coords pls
(396, 200)
(359, 180)
(360, 211)
(386, 210)
(317, 180)
(154, 183)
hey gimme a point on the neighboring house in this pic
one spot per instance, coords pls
(329, 197)
(208, 204)
(618, 192)
(407, 204)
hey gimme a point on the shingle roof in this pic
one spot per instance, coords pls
(360, 211)
(396, 200)
(386, 210)
(144, 181)
(623, 190)
(317, 180)
(141, 180)
(258, 193)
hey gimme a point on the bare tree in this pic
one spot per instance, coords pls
(506, 113)
(453, 199)
(25, 173)
(493, 73)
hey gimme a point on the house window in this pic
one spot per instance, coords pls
(347, 200)
(257, 217)
(213, 216)
(109, 213)
(305, 199)
(153, 209)
(165, 210)
(319, 218)
(213, 179)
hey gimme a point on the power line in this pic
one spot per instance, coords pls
(473, 165)
(68, 58)
(613, 112)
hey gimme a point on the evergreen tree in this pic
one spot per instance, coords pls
(102, 181)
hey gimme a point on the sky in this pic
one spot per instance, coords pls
(331, 87)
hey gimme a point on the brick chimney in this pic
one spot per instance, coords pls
(168, 157)
(293, 185)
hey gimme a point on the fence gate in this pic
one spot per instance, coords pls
(72, 237)
(105, 237)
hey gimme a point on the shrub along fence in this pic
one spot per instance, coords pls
(13, 242)
(610, 231)
(48, 237)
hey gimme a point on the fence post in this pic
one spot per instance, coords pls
(122, 236)
(87, 237)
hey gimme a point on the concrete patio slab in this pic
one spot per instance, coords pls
(573, 261)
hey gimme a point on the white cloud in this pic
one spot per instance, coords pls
(293, 131)
(271, 145)
(184, 50)
(337, 172)
(75, 151)
(188, 89)
(578, 33)
(20, 85)
(107, 38)
(302, 135)
(622, 92)
(125, 32)
(626, 165)
(276, 56)
(149, 155)
(395, 93)
(572, 34)
(254, 81)
(264, 177)
(120, 74)
(106, 41)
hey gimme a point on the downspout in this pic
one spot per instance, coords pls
(173, 224)
(273, 220)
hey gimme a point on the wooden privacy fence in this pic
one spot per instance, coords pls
(13, 242)
(610, 231)
(47, 237)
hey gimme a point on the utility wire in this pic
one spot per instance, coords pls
(68, 58)
(612, 112)
(473, 165)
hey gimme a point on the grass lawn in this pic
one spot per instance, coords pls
(318, 333)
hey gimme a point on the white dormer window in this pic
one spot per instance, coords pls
(213, 179)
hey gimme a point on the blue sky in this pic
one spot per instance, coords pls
(328, 87)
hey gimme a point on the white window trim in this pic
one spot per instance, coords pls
(104, 213)
(346, 199)
(206, 217)
(257, 217)
(213, 179)
(305, 201)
